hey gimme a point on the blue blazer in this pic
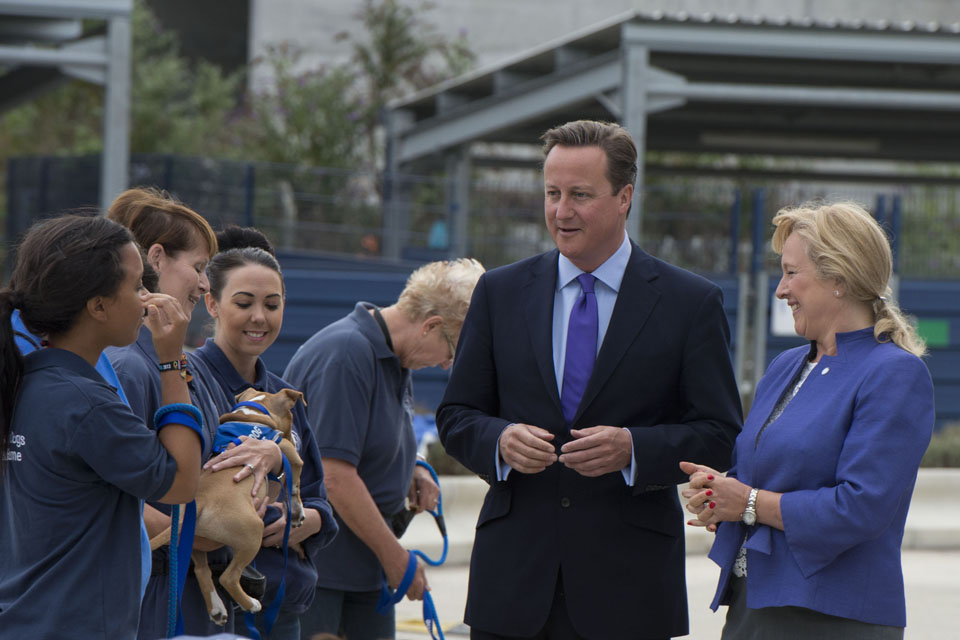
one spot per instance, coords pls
(663, 371)
(845, 454)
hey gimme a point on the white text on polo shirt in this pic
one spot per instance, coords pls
(16, 440)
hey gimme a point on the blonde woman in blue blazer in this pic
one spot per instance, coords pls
(810, 518)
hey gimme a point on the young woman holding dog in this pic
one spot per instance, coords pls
(75, 469)
(177, 243)
(246, 300)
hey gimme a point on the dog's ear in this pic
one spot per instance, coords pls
(243, 395)
(294, 395)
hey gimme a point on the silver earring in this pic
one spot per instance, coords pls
(836, 293)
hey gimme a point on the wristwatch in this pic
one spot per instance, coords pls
(749, 515)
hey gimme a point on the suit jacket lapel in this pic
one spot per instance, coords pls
(635, 302)
(538, 293)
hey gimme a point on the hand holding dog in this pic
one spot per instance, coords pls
(257, 457)
(273, 532)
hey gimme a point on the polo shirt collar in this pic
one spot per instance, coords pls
(145, 344)
(61, 358)
(226, 372)
(371, 330)
(609, 273)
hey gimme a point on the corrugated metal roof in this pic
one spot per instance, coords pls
(797, 22)
(607, 34)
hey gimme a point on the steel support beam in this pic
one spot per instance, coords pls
(37, 56)
(809, 96)
(633, 115)
(114, 166)
(817, 44)
(503, 112)
(93, 9)
(459, 170)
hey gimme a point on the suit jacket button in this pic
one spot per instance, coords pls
(564, 502)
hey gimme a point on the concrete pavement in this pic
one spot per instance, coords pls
(931, 562)
(932, 585)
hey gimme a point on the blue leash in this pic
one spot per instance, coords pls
(179, 561)
(272, 611)
(388, 597)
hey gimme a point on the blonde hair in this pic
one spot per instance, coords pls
(847, 245)
(442, 289)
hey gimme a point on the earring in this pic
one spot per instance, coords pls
(836, 293)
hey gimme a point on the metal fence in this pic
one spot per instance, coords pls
(707, 225)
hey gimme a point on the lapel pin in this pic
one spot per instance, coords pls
(825, 371)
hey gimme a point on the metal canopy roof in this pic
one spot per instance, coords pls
(709, 84)
(799, 87)
(42, 44)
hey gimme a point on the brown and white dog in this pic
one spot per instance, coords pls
(225, 509)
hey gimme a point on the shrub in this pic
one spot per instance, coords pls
(443, 463)
(944, 449)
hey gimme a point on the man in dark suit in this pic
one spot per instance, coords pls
(576, 396)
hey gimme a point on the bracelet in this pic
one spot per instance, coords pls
(183, 414)
(176, 365)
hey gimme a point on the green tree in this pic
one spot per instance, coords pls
(307, 118)
(400, 52)
(177, 106)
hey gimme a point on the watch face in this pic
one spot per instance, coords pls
(749, 518)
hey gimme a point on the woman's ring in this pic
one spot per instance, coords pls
(250, 466)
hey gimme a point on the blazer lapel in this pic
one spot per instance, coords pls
(538, 293)
(635, 302)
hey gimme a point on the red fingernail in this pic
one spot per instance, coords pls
(709, 477)
(709, 493)
(713, 504)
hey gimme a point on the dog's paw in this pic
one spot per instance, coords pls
(219, 612)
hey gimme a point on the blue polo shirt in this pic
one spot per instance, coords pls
(77, 464)
(212, 365)
(360, 403)
(28, 343)
(136, 367)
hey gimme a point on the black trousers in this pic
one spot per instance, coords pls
(557, 627)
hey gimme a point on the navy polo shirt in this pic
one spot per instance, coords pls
(136, 367)
(28, 343)
(77, 464)
(212, 365)
(360, 403)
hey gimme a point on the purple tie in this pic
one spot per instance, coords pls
(581, 348)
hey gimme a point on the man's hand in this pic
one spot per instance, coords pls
(396, 566)
(595, 451)
(527, 448)
(424, 492)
